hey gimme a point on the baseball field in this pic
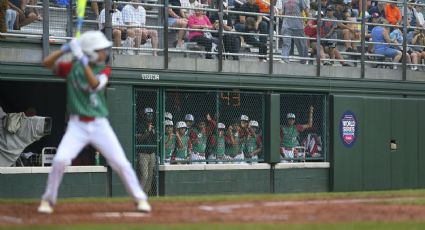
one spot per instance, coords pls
(359, 210)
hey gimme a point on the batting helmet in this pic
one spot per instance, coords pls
(244, 117)
(290, 116)
(168, 116)
(168, 123)
(181, 124)
(189, 117)
(92, 41)
(221, 126)
(253, 123)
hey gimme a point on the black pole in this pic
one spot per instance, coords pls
(319, 25)
(69, 22)
(271, 33)
(404, 69)
(165, 24)
(363, 42)
(108, 24)
(220, 35)
(46, 32)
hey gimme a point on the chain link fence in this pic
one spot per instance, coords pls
(302, 127)
(146, 138)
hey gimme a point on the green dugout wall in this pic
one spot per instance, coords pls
(388, 152)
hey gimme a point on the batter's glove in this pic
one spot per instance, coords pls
(76, 48)
(66, 48)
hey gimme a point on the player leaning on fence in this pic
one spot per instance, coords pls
(86, 78)
(290, 133)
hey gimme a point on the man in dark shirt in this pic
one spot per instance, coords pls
(176, 19)
(146, 148)
(251, 23)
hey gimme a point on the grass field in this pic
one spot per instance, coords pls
(387, 210)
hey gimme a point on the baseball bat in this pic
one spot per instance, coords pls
(81, 10)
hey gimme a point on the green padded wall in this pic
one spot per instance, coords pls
(376, 136)
(121, 117)
(346, 163)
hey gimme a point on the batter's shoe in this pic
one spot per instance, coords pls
(143, 206)
(45, 207)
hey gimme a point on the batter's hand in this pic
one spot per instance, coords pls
(76, 49)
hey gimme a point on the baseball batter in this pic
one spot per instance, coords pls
(86, 78)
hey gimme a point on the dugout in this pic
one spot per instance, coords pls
(385, 111)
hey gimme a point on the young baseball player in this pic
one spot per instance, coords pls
(218, 144)
(289, 135)
(235, 143)
(199, 137)
(253, 142)
(183, 145)
(86, 78)
(170, 141)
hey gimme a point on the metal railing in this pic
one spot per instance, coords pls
(160, 14)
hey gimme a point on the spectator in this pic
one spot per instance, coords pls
(374, 18)
(416, 37)
(10, 17)
(134, 15)
(170, 141)
(25, 16)
(218, 144)
(253, 142)
(294, 27)
(289, 135)
(176, 19)
(396, 36)
(119, 32)
(411, 18)
(381, 34)
(95, 8)
(183, 144)
(353, 32)
(146, 136)
(420, 22)
(186, 13)
(311, 31)
(379, 8)
(392, 13)
(199, 137)
(200, 21)
(329, 31)
(250, 24)
(232, 42)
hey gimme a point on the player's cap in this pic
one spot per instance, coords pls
(290, 116)
(181, 124)
(148, 110)
(168, 116)
(375, 15)
(221, 126)
(189, 117)
(253, 123)
(418, 2)
(168, 123)
(244, 117)
(330, 8)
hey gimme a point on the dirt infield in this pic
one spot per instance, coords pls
(301, 211)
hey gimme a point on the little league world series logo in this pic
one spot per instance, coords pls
(348, 128)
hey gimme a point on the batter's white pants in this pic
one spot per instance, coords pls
(100, 135)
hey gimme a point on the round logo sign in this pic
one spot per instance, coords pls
(348, 128)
